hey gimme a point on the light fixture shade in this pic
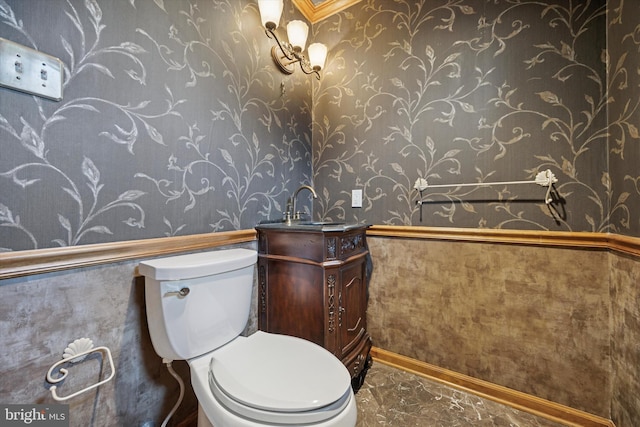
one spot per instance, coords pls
(270, 12)
(297, 33)
(317, 55)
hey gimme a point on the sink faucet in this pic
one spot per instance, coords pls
(291, 213)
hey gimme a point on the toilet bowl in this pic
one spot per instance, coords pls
(197, 306)
(268, 379)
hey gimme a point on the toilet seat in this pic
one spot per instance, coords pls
(279, 379)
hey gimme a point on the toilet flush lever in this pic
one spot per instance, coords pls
(180, 294)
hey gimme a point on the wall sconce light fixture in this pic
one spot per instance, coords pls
(287, 54)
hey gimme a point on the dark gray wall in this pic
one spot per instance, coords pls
(624, 115)
(172, 123)
(173, 120)
(138, 149)
(469, 91)
(624, 51)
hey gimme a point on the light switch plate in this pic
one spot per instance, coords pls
(30, 71)
(356, 198)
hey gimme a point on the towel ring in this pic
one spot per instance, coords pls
(76, 352)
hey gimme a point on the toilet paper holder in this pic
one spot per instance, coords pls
(76, 352)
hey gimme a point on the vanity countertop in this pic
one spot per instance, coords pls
(323, 226)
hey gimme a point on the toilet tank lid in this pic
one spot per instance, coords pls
(198, 264)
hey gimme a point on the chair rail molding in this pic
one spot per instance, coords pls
(568, 239)
(38, 261)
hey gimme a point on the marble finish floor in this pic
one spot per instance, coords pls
(392, 397)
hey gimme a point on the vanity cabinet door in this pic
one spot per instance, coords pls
(293, 302)
(352, 306)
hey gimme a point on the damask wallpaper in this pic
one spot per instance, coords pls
(175, 120)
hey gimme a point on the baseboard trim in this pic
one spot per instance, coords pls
(516, 399)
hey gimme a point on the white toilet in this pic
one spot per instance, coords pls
(197, 306)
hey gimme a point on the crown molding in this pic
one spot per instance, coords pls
(315, 13)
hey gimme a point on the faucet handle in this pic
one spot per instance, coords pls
(300, 215)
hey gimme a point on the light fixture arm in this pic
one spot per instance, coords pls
(285, 50)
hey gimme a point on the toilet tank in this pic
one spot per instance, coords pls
(216, 306)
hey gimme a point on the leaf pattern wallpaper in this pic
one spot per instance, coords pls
(623, 180)
(175, 120)
(469, 92)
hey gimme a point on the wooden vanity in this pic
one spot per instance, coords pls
(313, 285)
